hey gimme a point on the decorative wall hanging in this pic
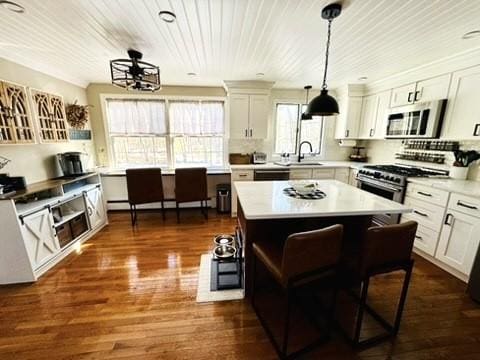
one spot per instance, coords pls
(80, 134)
(77, 115)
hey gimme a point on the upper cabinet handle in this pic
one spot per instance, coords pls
(246, 133)
(347, 132)
(410, 96)
(416, 98)
(371, 132)
(251, 132)
(459, 203)
(476, 130)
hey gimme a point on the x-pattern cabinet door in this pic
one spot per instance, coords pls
(39, 236)
(95, 207)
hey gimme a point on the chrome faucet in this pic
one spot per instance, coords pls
(300, 156)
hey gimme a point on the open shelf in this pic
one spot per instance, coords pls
(68, 217)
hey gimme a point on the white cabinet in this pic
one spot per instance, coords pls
(301, 174)
(422, 91)
(249, 116)
(342, 174)
(348, 120)
(239, 175)
(463, 109)
(373, 115)
(95, 208)
(459, 241)
(39, 237)
(352, 178)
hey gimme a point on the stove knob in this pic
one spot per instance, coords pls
(398, 180)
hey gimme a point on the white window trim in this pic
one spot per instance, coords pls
(166, 98)
(275, 155)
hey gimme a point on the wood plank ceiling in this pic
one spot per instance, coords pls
(236, 39)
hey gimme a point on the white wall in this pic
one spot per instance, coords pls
(35, 161)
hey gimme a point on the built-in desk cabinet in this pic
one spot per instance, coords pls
(37, 234)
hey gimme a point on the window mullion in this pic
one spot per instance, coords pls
(169, 138)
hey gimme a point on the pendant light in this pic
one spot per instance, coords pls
(324, 104)
(306, 116)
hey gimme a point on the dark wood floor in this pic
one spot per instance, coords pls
(131, 294)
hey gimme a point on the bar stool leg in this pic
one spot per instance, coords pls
(403, 297)
(163, 210)
(178, 213)
(286, 324)
(131, 215)
(361, 310)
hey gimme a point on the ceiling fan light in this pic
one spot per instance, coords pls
(322, 105)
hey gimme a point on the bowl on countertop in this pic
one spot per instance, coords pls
(304, 187)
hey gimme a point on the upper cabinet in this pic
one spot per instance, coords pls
(463, 108)
(16, 125)
(422, 91)
(249, 108)
(350, 112)
(373, 115)
(51, 119)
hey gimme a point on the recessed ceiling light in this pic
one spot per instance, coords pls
(362, 78)
(191, 74)
(167, 16)
(260, 74)
(471, 34)
(10, 5)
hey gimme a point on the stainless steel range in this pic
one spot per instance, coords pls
(390, 181)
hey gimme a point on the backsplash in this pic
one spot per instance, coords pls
(383, 151)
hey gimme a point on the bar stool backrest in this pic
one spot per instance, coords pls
(144, 185)
(387, 246)
(308, 251)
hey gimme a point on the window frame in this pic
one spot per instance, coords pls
(300, 105)
(110, 157)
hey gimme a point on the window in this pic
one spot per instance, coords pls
(142, 134)
(290, 130)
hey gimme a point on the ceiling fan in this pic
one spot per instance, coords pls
(135, 74)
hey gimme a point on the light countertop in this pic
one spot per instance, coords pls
(321, 165)
(266, 200)
(464, 187)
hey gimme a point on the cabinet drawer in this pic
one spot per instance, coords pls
(323, 173)
(244, 175)
(428, 194)
(301, 174)
(426, 214)
(465, 204)
(425, 238)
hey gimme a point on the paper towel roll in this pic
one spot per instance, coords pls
(347, 143)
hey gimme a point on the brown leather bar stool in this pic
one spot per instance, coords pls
(305, 258)
(191, 185)
(385, 249)
(144, 186)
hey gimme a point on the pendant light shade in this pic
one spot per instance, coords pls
(306, 116)
(324, 104)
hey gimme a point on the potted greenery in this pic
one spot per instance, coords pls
(463, 159)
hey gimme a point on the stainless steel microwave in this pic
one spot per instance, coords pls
(422, 120)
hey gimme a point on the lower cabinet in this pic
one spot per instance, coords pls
(95, 207)
(301, 174)
(238, 175)
(352, 177)
(459, 241)
(39, 237)
(342, 174)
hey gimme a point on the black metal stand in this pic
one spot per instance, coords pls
(228, 273)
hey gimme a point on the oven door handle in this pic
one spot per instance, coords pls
(378, 185)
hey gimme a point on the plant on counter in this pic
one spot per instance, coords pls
(465, 158)
(3, 162)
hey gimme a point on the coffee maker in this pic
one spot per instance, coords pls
(72, 163)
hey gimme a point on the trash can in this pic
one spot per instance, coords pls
(223, 198)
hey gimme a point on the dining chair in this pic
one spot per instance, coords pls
(144, 186)
(191, 185)
(302, 261)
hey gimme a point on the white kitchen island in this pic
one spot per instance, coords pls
(266, 213)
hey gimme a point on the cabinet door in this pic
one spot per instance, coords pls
(43, 114)
(39, 236)
(16, 97)
(6, 129)
(323, 174)
(348, 121)
(95, 208)
(403, 95)
(342, 175)
(58, 118)
(383, 105)
(369, 116)
(463, 108)
(239, 108)
(459, 241)
(258, 116)
(352, 179)
(300, 174)
(433, 89)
